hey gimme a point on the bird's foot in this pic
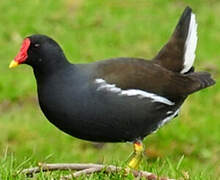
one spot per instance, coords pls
(136, 157)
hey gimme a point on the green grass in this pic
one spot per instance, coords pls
(90, 30)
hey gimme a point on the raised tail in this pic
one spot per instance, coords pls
(179, 53)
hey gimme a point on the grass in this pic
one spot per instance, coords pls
(93, 30)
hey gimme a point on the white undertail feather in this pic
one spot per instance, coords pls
(190, 45)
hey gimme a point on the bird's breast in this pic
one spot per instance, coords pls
(87, 112)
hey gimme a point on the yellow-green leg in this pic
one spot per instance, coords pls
(136, 157)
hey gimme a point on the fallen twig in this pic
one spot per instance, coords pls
(82, 169)
(81, 172)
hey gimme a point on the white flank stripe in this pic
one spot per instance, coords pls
(167, 119)
(99, 81)
(132, 92)
(190, 45)
(169, 112)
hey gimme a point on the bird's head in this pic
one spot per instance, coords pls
(38, 50)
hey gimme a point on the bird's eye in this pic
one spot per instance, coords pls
(36, 45)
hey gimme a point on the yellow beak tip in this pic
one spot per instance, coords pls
(13, 64)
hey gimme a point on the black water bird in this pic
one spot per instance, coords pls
(120, 99)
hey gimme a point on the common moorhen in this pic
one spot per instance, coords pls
(120, 99)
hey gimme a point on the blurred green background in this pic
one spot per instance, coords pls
(90, 30)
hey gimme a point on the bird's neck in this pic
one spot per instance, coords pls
(51, 68)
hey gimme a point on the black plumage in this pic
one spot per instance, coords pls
(115, 100)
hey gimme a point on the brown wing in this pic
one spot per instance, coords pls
(128, 73)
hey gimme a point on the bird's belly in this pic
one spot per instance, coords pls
(107, 120)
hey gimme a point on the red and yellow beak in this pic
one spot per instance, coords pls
(22, 55)
(13, 64)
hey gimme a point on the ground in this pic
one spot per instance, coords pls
(189, 146)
